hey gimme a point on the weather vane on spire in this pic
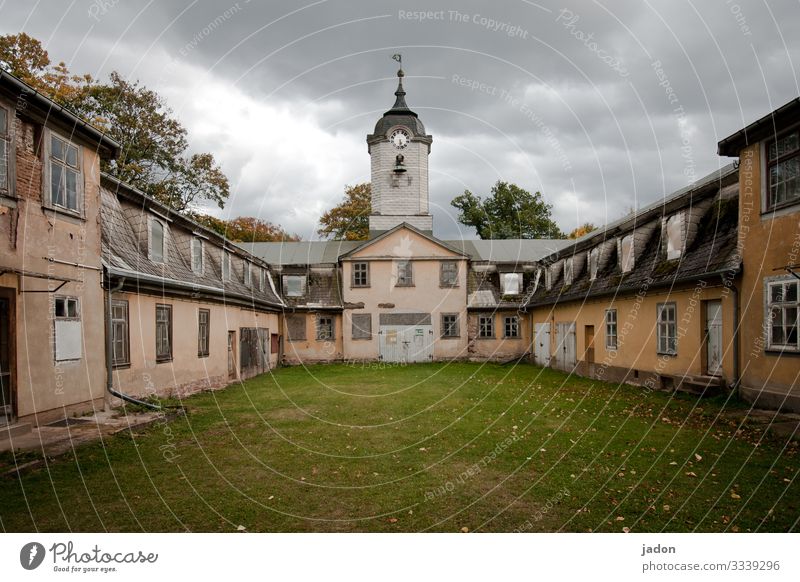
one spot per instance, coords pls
(399, 58)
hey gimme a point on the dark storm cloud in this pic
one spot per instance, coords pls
(601, 106)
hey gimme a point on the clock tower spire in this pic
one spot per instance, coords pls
(399, 150)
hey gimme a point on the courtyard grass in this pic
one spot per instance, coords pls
(433, 447)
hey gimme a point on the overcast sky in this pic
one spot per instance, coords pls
(601, 106)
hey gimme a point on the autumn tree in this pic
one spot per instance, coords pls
(244, 228)
(583, 229)
(508, 212)
(155, 152)
(349, 220)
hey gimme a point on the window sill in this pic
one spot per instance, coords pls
(782, 351)
(64, 212)
(359, 286)
(778, 208)
(671, 354)
(448, 286)
(122, 366)
(8, 200)
(450, 337)
(514, 337)
(202, 355)
(163, 360)
(404, 285)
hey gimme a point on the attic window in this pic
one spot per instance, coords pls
(548, 279)
(226, 266)
(626, 253)
(511, 283)
(197, 256)
(248, 273)
(594, 263)
(783, 171)
(568, 272)
(156, 241)
(294, 285)
(674, 236)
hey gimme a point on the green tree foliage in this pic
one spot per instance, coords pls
(349, 220)
(508, 212)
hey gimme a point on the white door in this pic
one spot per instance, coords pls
(714, 338)
(406, 343)
(541, 344)
(565, 346)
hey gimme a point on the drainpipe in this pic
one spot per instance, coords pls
(110, 354)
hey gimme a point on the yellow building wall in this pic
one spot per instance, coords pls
(637, 337)
(499, 348)
(767, 242)
(311, 350)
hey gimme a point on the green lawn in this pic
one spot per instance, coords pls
(432, 447)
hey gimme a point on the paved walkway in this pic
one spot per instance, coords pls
(53, 441)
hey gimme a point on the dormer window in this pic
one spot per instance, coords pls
(262, 279)
(511, 283)
(673, 231)
(226, 266)
(548, 279)
(157, 241)
(625, 250)
(594, 263)
(248, 273)
(568, 271)
(198, 265)
(294, 285)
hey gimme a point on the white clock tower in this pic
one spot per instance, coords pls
(399, 150)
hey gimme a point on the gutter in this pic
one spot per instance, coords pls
(110, 356)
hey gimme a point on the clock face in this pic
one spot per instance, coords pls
(399, 138)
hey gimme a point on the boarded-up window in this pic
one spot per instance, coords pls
(296, 327)
(594, 263)
(448, 274)
(276, 343)
(511, 283)
(294, 285)
(674, 234)
(450, 325)
(362, 326)
(626, 253)
(68, 340)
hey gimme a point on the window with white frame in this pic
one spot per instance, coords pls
(198, 257)
(448, 274)
(673, 230)
(486, 326)
(157, 241)
(360, 274)
(568, 271)
(783, 171)
(120, 333)
(783, 306)
(294, 285)
(611, 329)
(511, 283)
(626, 257)
(67, 324)
(405, 274)
(5, 152)
(248, 273)
(226, 266)
(594, 263)
(511, 326)
(667, 328)
(65, 174)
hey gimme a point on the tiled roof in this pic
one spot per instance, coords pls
(124, 252)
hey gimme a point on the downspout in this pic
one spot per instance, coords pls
(110, 355)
